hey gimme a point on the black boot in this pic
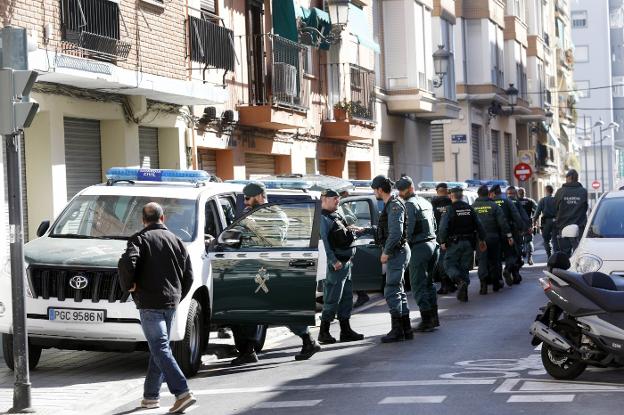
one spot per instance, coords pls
(508, 277)
(426, 322)
(497, 285)
(347, 334)
(462, 291)
(406, 325)
(517, 278)
(324, 336)
(309, 348)
(246, 356)
(396, 333)
(530, 259)
(435, 317)
(483, 290)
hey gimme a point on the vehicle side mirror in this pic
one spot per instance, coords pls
(570, 231)
(43, 228)
(231, 237)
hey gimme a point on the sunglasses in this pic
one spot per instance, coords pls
(248, 197)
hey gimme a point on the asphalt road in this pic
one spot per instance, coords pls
(479, 361)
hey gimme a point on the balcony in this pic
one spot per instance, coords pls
(210, 44)
(515, 29)
(350, 113)
(536, 47)
(565, 57)
(279, 95)
(91, 29)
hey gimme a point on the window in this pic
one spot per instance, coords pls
(287, 225)
(228, 205)
(581, 54)
(579, 19)
(308, 65)
(582, 89)
(618, 86)
(357, 212)
(208, 8)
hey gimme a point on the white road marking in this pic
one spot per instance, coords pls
(539, 398)
(286, 404)
(515, 386)
(356, 385)
(411, 399)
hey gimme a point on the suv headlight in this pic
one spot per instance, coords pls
(588, 263)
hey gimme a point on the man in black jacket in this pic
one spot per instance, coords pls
(571, 205)
(156, 269)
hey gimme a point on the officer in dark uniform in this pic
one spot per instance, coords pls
(337, 238)
(514, 220)
(546, 209)
(440, 203)
(392, 235)
(529, 207)
(571, 204)
(493, 220)
(459, 230)
(246, 334)
(520, 235)
(424, 253)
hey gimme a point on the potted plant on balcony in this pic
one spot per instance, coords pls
(342, 110)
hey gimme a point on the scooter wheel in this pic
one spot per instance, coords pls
(561, 365)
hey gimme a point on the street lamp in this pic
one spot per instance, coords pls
(496, 108)
(441, 58)
(338, 13)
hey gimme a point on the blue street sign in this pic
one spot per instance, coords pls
(459, 139)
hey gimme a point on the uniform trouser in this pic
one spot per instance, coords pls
(490, 260)
(338, 293)
(394, 291)
(424, 257)
(247, 334)
(529, 248)
(458, 260)
(512, 253)
(548, 227)
(567, 245)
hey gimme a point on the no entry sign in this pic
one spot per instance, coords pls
(596, 184)
(523, 172)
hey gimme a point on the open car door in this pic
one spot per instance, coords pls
(366, 274)
(264, 266)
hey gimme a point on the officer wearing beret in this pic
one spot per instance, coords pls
(337, 238)
(440, 202)
(459, 229)
(424, 253)
(392, 234)
(246, 334)
(493, 220)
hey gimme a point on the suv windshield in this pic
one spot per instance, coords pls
(119, 217)
(609, 219)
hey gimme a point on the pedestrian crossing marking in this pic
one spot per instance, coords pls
(286, 404)
(411, 399)
(540, 398)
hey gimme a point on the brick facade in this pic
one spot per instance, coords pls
(156, 33)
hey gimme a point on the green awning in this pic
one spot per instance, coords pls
(284, 19)
(361, 29)
(316, 19)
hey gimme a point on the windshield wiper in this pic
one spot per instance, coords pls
(119, 237)
(71, 235)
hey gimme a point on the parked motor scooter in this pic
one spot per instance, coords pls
(582, 324)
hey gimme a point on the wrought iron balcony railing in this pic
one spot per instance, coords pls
(211, 44)
(91, 27)
(353, 87)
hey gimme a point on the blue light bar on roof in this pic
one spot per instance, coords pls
(157, 175)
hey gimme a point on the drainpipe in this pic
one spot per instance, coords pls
(192, 143)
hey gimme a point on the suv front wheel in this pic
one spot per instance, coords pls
(188, 351)
(34, 352)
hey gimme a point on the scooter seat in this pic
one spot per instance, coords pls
(608, 299)
(600, 280)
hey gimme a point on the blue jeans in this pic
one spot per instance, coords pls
(156, 325)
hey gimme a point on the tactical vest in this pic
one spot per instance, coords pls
(506, 211)
(461, 221)
(382, 227)
(440, 205)
(339, 235)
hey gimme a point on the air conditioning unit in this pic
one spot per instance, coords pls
(284, 80)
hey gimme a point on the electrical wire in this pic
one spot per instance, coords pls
(576, 90)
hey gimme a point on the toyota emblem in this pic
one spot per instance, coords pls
(78, 282)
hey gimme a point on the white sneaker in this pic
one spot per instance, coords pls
(150, 403)
(182, 403)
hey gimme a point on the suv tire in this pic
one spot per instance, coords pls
(188, 351)
(34, 352)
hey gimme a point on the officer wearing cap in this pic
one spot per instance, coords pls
(337, 238)
(424, 253)
(571, 205)
(493, 220)
(441, 201)
(246, 334)
(459, 229)
(529, 207)
(514, 220)
(392, 235)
